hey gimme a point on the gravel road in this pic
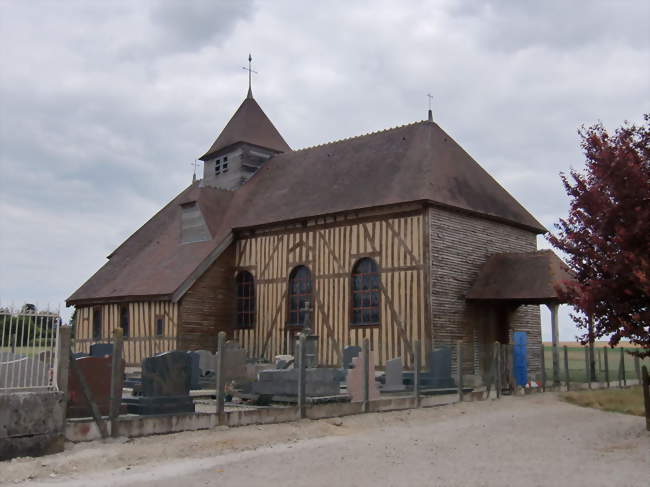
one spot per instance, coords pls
(536, 440)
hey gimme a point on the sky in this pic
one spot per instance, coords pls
(104, 105)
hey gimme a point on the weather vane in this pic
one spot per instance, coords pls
(250, 72)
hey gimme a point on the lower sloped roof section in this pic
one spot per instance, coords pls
(524, 278)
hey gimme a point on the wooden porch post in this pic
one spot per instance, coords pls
(555, 334)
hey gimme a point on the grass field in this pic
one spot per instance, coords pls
(628, 401)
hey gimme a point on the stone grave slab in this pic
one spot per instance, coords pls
(166, 380)
(320, 381)
(355, 379)
(97, 374)
(101, 349)
(393, 376)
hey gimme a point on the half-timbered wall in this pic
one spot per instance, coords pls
(330, 251)
(142, 341)
(460, 244)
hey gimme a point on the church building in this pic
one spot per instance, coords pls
(398, 236)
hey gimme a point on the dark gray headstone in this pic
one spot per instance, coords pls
(195, 371)
(440, 368)
(348, 354)
(166, 381)
(101, 349)
(393, 375)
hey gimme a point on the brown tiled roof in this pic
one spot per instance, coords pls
(251, 125)
(416, 162)
(525, 278)
(152, 262)
(412, 163)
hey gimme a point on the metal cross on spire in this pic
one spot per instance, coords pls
(430, 96)
(250, 72)
(195, 164)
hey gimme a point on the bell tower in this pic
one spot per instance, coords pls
(247, 141)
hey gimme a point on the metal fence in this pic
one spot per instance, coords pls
(28, 344)
(607, 367)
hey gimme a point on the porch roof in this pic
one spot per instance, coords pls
(522, 278)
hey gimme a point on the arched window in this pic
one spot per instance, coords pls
(299, 294)
(245, 300)
(366, 288)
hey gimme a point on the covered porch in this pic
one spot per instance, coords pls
(508, 281)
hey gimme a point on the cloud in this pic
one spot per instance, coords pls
(104, 105)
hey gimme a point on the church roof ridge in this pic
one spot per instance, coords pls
(360, 136)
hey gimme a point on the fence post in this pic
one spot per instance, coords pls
(621, 369)
(416, 373)
(220, 379)
(116, 380)
(459, 369)
(63, 361)
(301, 376)
(567, 376)
(366, 374)
(543, 360)
(88, 396)
(646, 396)
(606, 363)
(498, 374)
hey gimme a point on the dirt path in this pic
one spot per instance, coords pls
(535, 440)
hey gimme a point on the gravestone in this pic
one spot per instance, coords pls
(207, 362)
(195, 371)
(311, 351)
(166, 380)
(101, 349)
(234, 363)
(319, 382)
(355, 380)
(97, 374)
(393, 376)
(348, 354)
(438, 375)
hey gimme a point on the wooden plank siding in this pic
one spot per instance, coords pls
(330, 251)
(208, 307)
(142, 341)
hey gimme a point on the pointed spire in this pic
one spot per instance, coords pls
(250, 72)
(430, 117)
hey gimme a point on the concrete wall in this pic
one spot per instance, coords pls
(460, 244)
(31, 424)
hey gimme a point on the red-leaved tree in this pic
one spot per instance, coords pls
(606, 236)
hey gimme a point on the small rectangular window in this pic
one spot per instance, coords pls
(97, 323)
(225, 167)
(225, 159)
(124, 320)
(160, 325)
